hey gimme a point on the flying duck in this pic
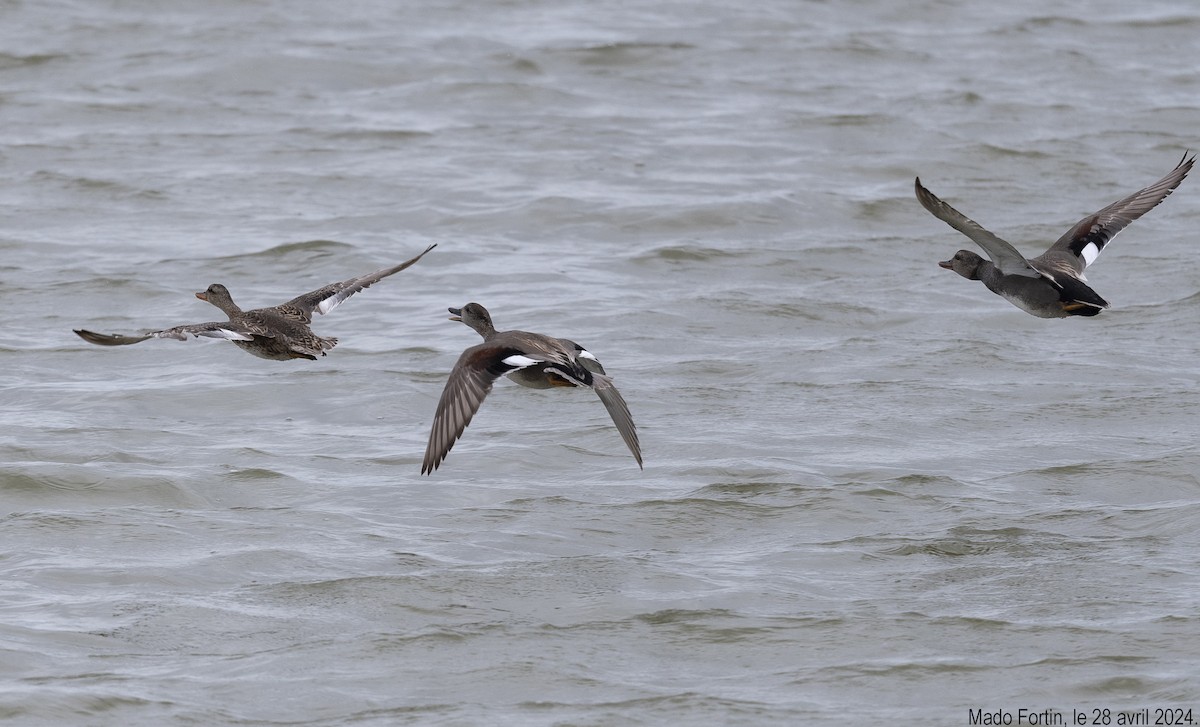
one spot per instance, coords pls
(279, 333)
(530, 359)
(1051, 285)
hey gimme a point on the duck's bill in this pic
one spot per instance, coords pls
(949, 265)
(455, 314)
(202, 295)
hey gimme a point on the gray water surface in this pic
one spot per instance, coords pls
(875, 493)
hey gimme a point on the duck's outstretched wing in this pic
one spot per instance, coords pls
(619, 411)
(1084, 242)
(469, 383)
(1005, 257)
(226, 330)
(325, 299)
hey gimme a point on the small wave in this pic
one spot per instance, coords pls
(950, 548)
(9, 60)
(371, 134)
(623, 53)
(104, 186)
(316, 247)
(676, 253)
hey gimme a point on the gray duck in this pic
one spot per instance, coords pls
(279, 333)
(1051, 285)
(530, 359)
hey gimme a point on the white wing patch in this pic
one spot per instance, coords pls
(519, 361)
(328, 304)
(1089, 253)
(584, 353)
(227, 335)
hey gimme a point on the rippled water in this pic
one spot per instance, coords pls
(874, 492)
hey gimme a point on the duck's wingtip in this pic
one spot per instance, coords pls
(430, 465)
(920, 189)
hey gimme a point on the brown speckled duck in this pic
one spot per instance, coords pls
(1051, 285)
(279, 333)
(530, 359)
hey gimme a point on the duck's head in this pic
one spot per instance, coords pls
(965, 263)
(475, 316)
(219, 296)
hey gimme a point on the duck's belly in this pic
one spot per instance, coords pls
(535, 378)
(1032, 295)
(1039, 308)
(270, 349)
